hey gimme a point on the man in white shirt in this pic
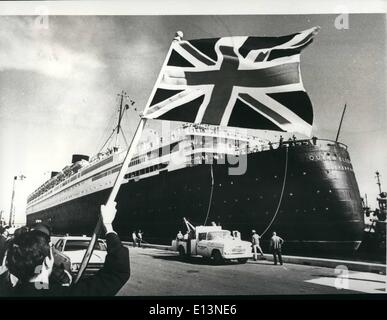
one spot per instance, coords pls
(255, 244)
(276, 245)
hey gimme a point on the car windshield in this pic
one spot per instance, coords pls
(224, 234)
(75, 245)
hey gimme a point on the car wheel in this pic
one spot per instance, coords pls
(242, 260)
(217, 257)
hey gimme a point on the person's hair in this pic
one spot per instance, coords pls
(26, 252)
(42, 227)
(20, 231)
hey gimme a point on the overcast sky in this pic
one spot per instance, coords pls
(58, 86)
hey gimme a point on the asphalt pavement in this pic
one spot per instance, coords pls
(157, 272)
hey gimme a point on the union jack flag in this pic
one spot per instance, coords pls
(248, 82)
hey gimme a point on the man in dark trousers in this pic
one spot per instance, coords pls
(30, 264)
(275, 245)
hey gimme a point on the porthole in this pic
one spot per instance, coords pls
(311, 158)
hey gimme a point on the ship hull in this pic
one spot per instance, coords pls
(306, 193)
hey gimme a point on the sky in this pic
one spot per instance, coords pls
(59, 80)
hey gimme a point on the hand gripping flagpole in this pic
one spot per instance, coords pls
(125, 164)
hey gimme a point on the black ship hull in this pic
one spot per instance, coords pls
(306, 193)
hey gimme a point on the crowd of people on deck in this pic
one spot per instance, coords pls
(292, 141)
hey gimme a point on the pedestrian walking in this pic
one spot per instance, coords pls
(255, 244)
(134, 237)
(276, 247)
(139, 238)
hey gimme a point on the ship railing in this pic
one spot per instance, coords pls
(294, 143)
(218, 132)
(333, 143)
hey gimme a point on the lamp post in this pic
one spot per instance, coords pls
(12, 210)
(1, 218)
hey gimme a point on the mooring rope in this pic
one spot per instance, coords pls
(212, 191)
(282, 193)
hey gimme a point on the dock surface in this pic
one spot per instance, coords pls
(157, 272)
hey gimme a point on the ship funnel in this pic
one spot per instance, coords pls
(79, 157)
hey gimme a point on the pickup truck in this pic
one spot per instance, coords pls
(215, 243)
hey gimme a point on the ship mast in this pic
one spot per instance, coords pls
(120, 114)
(378, 181)
(341, 122)
(121, 110)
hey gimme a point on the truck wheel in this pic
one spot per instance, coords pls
(181, 252)
(218, 259)
(242, 260)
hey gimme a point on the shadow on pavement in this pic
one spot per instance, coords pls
(192, 260)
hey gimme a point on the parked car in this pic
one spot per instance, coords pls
(75, 248)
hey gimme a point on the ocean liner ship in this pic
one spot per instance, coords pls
(311, 181)
(305, 189)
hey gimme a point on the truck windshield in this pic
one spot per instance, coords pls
(224, 234)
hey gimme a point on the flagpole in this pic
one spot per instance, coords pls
(125, 164)
(341, 122)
